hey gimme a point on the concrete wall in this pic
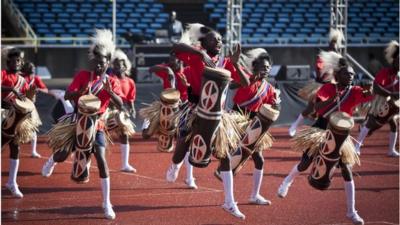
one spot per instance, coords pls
(65, 62)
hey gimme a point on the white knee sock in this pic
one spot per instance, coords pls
(146, 124)
(34, 143)
(363, 133)
(105, 188)
(392, 142)
(293, 174)
(124, 155)
(350, 197)
(227, 179)
(298, 121)
(257, 180)
(189, 168)
(12, 174)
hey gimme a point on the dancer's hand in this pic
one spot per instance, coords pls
(235, 55)
(108, 86)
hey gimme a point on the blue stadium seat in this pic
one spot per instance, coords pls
(253, 40)
(156, 25)
(296, 40)
(303, 35)
(313, 40)
(74, 31)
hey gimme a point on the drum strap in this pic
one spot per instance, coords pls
(341, 100)
(262, 91)
(18, 86)
(32, 82)
(221, 60)
(98, 85)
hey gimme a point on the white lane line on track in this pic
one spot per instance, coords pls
(368, 222)
(114, 196)
(145, 177)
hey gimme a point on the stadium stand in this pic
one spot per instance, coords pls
(296, 22)
(264, 21)
(77, 18)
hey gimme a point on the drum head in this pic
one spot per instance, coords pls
(217, 73)
(341, 121)
(24, 106)
(268, 112)
(89, 103)
(170, 95)
(123, 118)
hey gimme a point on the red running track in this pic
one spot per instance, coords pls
(146, 198)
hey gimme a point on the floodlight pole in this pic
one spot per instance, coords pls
(114, 21)
(233, 23)
(339, 21)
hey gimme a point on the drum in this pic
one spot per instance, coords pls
(116, 119)
(328, 156)
(169, 107)
(256, 128)
(88, 106)
(20, 110)
(383, 109)
(208, 115)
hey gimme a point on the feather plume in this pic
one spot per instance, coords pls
(252, 55)
(330, 61)
(192, 34)
(337, 36)
(390, 50)
(120, 55)
(102, 43)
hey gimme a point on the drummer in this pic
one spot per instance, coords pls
(386, 86)
(106, 89)
(121, 69)
(199, 47)
(12, 86)
(173, 76)
(308, 92)
(340, 97)
(35, 83)
(249, 100)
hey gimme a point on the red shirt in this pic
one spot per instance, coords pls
(82, 79)
(388, 79)
(128, 89)
(179, 85)
(10, 80)
(355, 97)
(244, 94)
(196, 67)
(36, 82)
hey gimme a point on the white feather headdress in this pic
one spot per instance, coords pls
(336, 35)
(390, 50)
(192, 34)
(252, 55)
(6, 50)
(330, 61)
(102, 43)
(120, 55)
